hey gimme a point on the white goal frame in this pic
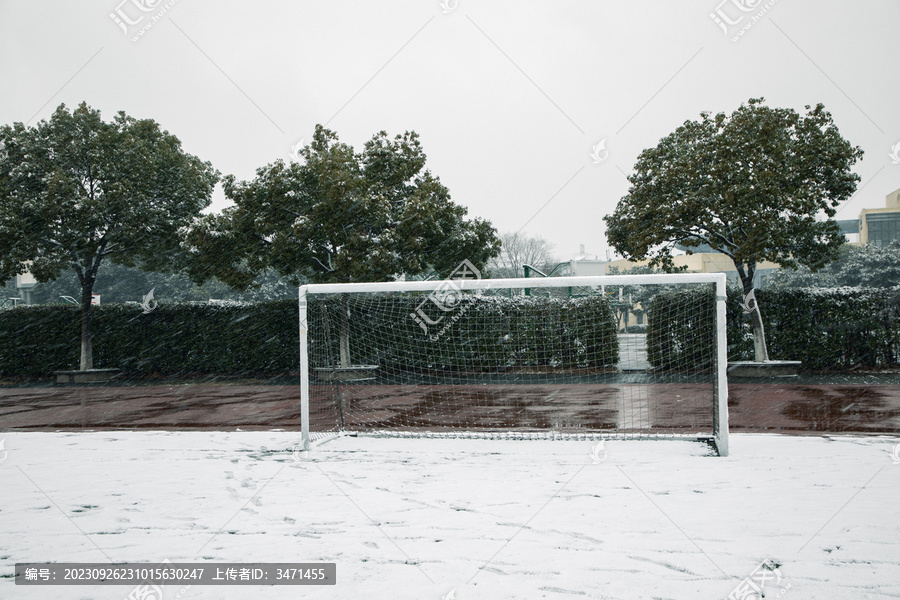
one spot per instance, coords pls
(720, 402)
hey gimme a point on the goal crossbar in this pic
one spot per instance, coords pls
(518, 283)
(720, 402)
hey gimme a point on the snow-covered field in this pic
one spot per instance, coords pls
(429, 518)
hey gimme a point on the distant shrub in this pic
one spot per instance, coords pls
(826, 329)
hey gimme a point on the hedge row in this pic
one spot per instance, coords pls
(831, 329)
(681, 330)
(825, 329)
(836, 329)
(173, 339)
(477, 333)
(262, 338)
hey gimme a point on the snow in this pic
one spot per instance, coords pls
(419, 518)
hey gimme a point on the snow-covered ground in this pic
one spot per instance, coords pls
(431, 518)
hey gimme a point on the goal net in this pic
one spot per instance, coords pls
(619, 356)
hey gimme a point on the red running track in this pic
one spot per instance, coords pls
(788, 408)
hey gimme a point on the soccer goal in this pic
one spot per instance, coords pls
(618, 356)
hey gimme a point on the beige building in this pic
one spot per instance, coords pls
(879, 226)
(701, 262)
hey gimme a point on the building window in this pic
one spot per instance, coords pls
(883, 227)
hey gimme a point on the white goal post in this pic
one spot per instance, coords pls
(392, 319)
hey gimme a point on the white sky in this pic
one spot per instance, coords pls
(509, 97)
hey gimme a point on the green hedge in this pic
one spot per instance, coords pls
(833, 329)
(262, 338)
(681, 330)
(479, 333)
(836, 329)
(173, 339)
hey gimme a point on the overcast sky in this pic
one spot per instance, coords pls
(509, 98)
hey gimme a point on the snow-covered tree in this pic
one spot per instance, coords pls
(76, 192)
(752, 185)
(340, 216)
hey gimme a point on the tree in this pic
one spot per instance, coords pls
(752, 185)
(866, 266)
(519, 249)
(340, 216)
(76, 191)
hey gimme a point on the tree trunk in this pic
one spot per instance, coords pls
(87, 350)
(345, 330)
(751, 307)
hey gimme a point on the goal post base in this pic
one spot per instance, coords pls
(769, 368)
(707, 440)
